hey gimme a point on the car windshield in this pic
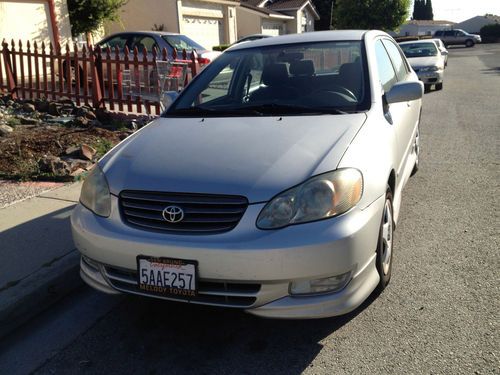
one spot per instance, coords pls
(419, 49)
(294, 79)
(181, 42)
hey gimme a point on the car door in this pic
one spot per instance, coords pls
(400, 115)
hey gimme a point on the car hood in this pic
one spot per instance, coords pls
(253, 157)
(419, 62)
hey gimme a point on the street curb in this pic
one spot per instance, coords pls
(38, 291)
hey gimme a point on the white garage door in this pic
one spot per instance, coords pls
(272, 28)
(208, 32)
(25, 21)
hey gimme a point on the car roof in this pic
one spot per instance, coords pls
(316, 36)
(419, 41)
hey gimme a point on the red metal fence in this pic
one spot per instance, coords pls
(88, 76)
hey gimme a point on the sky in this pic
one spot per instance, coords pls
(461, 10)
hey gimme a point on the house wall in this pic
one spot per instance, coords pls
(248, 23)
(138, 15)
(414, 29)
(35, 25)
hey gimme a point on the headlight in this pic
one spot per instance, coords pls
(320, 197)
(429, 69)
(95, 193)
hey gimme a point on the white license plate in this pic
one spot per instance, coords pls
(167, 276)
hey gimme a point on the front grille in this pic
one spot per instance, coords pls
(203, 213)
(209, 293)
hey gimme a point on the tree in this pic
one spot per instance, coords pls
(325, 9)
(86, 16)
(370, 14)
(422, 10)
(429, 14)
(418, 7)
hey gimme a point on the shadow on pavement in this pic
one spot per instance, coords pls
(153, 337)
(495, 70)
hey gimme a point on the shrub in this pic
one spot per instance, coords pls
(490, 33)
(221, 48)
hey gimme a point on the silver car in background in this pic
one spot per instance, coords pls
(273, 183)
(441, 47)
(427, 61)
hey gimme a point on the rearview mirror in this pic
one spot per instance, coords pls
(405, 92)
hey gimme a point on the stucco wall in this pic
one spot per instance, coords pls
(248, 23)
(142, 15)
(30, 20)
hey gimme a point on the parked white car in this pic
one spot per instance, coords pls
(441, 47)
(427, 61)
(273, 183)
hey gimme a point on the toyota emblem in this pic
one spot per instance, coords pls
(173, 214)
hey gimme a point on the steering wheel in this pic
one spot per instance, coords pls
(337, 89)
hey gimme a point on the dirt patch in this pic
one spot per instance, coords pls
(22, 149)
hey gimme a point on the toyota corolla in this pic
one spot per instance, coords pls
(273, 183)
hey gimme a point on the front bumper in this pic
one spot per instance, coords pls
(266, 261)
(430, 78)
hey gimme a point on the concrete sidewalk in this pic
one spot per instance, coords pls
(38, 260)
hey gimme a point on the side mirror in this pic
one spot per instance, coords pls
(405, 92)
(444, 53)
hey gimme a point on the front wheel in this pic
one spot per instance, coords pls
(469, 43)
(385, 243)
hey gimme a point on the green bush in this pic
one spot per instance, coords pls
(490, 33)
(221, 48)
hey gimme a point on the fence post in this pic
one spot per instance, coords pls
(96, 84)
(11, 83)
(194, 64)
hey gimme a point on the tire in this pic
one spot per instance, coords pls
(469, 43)
(385, 243)
(439, 86)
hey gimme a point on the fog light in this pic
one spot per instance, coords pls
(316, 286)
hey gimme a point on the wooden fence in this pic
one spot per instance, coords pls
(89, 76)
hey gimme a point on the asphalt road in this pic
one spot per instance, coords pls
(439, 315)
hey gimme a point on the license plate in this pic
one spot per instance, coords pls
(167, 276)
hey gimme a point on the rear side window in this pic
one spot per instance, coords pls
(386, 72)
(397, 60)
(438, 33)
(449, 33)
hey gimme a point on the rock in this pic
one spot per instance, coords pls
(2, 102)
(79, 111)
(87, 152)
(54, 109)
(96, 124)
(78, 163)
(72, 150)
(91, 115)
(10, 103)
(5, 129)
(77, 172)
(81, 122)
(28, 120)
(104, 115)
(42, 105)
(54, 165)
(28, 107)
(132, 125)
(66, 101)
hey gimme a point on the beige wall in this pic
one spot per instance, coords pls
(248, 23)
(143, 14)
(30, 20)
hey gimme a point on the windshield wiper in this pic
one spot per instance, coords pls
(277, 109)
(207, 111)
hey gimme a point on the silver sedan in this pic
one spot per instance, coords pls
(273, 183)
(427, 60)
